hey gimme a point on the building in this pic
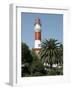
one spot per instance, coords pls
(37, 29)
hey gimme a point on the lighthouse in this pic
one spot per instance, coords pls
(37, 35)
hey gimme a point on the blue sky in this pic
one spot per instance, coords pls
(52, 27)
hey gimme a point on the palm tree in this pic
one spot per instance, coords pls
(60, 54)
(49, 51)
(61, 50)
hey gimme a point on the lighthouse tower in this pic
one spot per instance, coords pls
(37, 29)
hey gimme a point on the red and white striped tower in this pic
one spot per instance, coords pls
(37, 28)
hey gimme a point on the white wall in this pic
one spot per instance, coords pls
(4, 43)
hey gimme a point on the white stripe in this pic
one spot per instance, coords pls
(37, 44)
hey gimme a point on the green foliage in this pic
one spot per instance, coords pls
(26, 59)
(25, 71)
(51, 52)
(26, 54)
(55, 71)
(38, 69)
(32, 65)
(34, 56)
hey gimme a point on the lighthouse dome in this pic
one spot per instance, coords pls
(37, 27)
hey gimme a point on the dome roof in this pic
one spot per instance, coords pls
(37, 27)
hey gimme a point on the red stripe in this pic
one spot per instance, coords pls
(37, 35)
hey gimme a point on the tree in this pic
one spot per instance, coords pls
(37, 68)
(49, 51)
(34, 56)
(31, 65)
(60, 54)
(26, 59)
(26, 54)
